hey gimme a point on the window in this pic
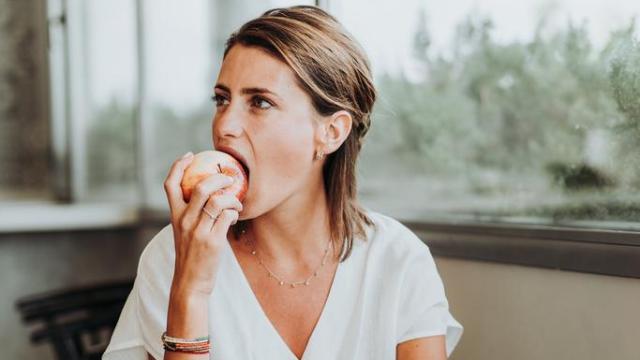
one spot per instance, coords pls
(502, 111)
(129, 87)
(104, 94)
(494, 117)
(131, 83)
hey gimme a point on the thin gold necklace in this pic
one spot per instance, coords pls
(305, 282)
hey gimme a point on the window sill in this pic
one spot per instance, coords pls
(44, 216)
(597, 251)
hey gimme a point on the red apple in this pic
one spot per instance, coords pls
(207, 163)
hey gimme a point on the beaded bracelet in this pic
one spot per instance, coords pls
(190, 346)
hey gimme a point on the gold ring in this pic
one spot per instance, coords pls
(208, 213)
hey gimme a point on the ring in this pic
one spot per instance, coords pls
(208, 213)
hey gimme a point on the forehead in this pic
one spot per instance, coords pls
(254, 67)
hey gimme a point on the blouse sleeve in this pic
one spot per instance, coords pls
(423, 306)
(143, 317)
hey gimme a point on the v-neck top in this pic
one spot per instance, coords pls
(388, 291)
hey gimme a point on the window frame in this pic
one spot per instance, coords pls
(585, 250)
(557, 246)
(562, 247)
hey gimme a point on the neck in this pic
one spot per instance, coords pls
(295, 234)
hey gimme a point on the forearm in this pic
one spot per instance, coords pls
(187, 318)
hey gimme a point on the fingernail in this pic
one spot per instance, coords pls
(187, 155)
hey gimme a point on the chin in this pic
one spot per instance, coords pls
(256, 206)
(251, 210)
(247, 210)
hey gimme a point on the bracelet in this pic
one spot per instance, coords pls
(190, 346)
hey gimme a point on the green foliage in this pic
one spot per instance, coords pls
(625, 81)
(517, 107)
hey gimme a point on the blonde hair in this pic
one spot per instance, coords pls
(332, 68)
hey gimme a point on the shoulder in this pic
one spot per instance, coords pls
(401, 263)
(396, 241)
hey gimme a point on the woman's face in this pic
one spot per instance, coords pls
(263, 117)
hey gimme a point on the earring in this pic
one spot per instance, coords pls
(319, 155)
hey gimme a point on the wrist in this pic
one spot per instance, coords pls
(187, 298)
(188, 314)
(187, 295)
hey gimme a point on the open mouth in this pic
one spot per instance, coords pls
(238, 158)
(244, 166)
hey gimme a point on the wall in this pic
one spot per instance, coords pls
(516, 312)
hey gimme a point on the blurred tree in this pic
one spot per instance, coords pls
(516, 109)
(624, 76)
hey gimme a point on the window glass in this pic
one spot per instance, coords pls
(105, 146)
(502, 110)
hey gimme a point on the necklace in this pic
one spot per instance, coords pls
(282, 282)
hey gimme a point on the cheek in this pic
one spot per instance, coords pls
(284, 157)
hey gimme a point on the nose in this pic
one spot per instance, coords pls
(227, 123)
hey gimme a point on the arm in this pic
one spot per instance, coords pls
(187, 316)
(425, 348)
(198, 239)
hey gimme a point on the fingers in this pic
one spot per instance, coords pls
(172, 184)
(214, 231)
(225, 220)
(214, 208)
(201, 194)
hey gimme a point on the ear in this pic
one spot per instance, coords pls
(333, 131)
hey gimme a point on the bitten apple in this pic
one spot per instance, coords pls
(207, 163)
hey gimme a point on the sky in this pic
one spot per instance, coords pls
(385, 28)
(180, 61)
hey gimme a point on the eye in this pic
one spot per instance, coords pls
(260, 102)
(219, 100)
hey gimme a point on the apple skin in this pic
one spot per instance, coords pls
(207, 163)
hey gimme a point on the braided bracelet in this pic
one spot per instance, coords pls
(190, 346)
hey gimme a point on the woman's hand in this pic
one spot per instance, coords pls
(198, 238)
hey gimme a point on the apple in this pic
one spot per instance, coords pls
(207, 163)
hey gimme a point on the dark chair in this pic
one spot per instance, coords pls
(78, 322)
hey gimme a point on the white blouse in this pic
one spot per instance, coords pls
(388, 291)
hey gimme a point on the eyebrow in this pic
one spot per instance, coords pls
(248, 91)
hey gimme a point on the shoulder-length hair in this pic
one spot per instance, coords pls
(331, 67)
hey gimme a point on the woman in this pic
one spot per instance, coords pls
(298, 270)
